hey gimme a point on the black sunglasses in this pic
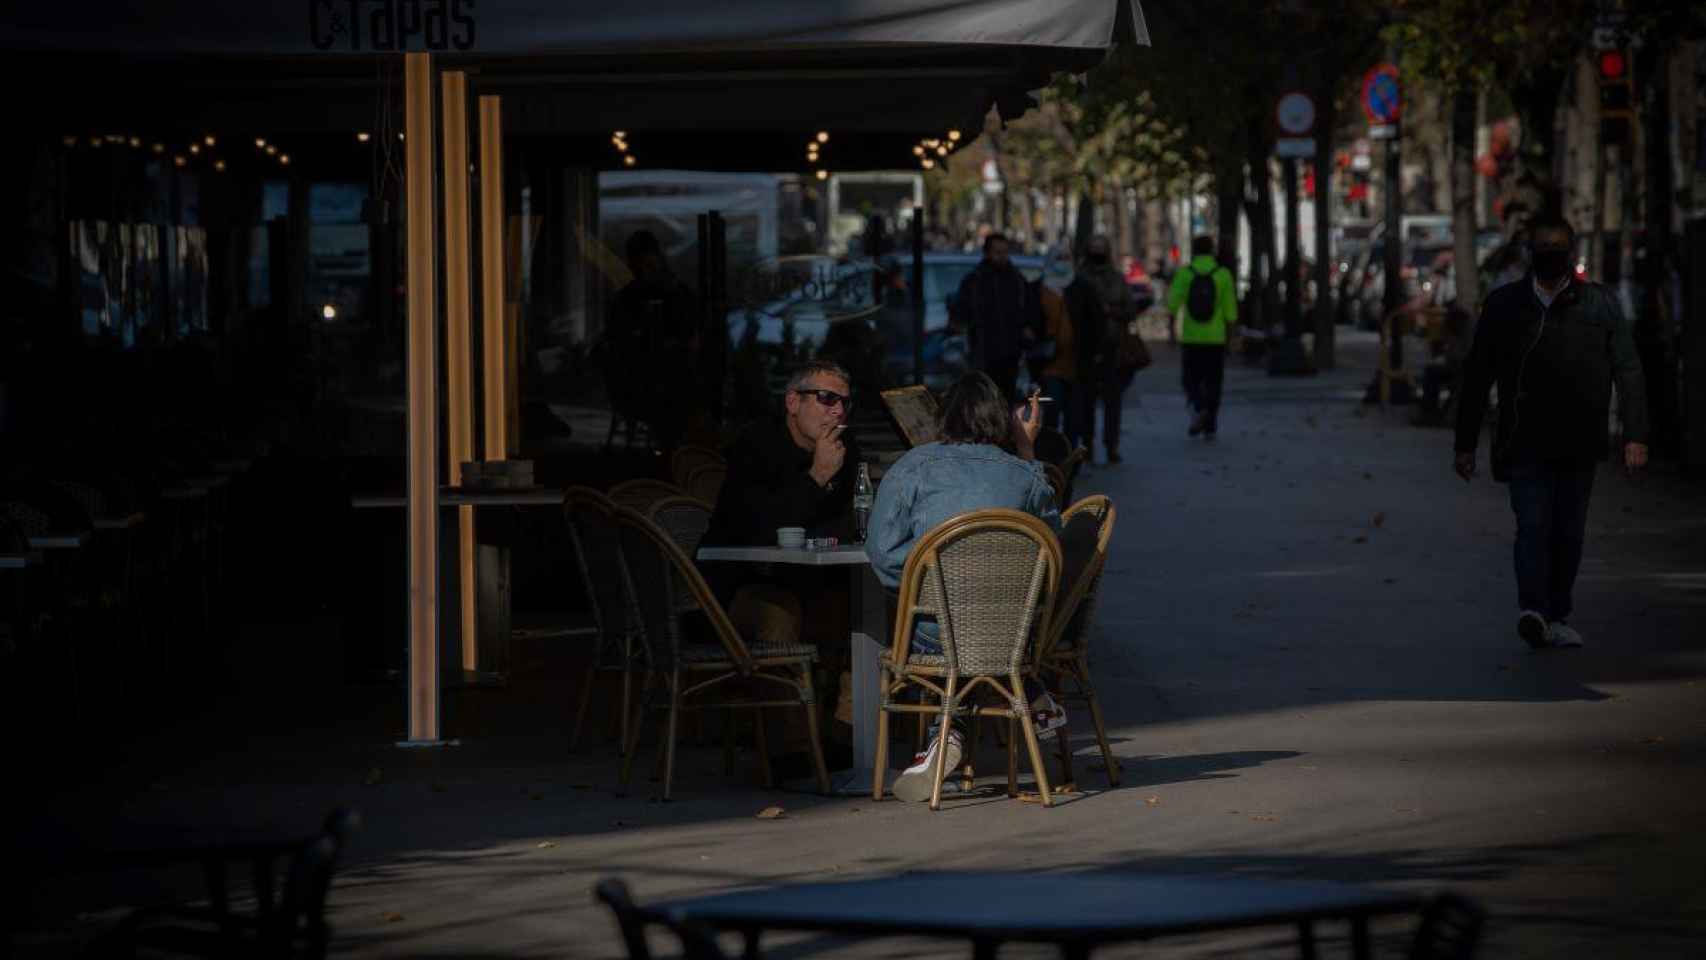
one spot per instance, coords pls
(828, 398)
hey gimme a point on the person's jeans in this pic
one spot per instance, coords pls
(1550, 501)
(1203, 367)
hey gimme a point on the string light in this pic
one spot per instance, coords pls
(628, 160)
(272, 151)
(209, 140)
(620, 134)
(70, 141)
(918, 151)
(260, 143)
(179, 160)
(823, 174)
(941, 151)
(135, 142)
(928, 163)
(284, 158)
(195, 148)
(954, 135)
(159, 148)
(823, 136)
(219, 165)
(363, 137)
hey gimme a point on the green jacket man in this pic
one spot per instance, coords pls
(1206, 305)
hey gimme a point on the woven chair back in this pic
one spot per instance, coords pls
(1056, 481)
(688, 459)
(666, 583)
(639, 494)
(591, 519)
(1085, 531)
(988, 577)
(706, 481)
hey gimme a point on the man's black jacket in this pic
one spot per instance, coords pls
(993, 306)
(769, 485)
(1554, 367)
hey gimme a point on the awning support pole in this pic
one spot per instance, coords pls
(492, 313)
(458, 314)
(422, 401)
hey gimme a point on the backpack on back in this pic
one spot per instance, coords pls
(1199, 303)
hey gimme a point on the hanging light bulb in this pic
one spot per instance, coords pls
(941, 151)
(219, 165)
(823, 174)
(260, 142)
(70, 141)
(363, 137)
(179, 160)
(272, 151)
(195, 148)
(620, 134)
(284, 158)
(928, 163)
(159, 148)
(135, 141)
(628, 160)
(823, 136)
(209, 140)
(918, 151)
(953, 135)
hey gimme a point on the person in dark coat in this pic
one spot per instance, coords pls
(1554, 345)
(993, 307)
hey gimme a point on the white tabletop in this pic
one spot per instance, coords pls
(60, 541)
(18, 561)
(835, 556)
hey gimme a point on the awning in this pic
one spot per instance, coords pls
(546, 27)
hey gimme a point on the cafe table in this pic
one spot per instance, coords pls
(870, 631)
(493, 622)
(1073, 911)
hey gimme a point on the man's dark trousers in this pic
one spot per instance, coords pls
(1550, 501)
(1204, 370)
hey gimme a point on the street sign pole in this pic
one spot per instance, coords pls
(1294, 118)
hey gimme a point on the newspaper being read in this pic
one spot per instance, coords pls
(914, 410)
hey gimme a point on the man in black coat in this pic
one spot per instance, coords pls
(1554, 345)
(993, 306)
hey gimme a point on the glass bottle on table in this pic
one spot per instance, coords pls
(863, 496)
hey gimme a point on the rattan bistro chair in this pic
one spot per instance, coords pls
(706, 481)
(591, 518)
(1086, 528)
(1057, 483)
(639, 494)
(988, 577)
(666, 584)
(690, 457)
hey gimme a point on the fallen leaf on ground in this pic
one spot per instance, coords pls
(1380, 519)
(1264, 818)
(393, 917)
(1359, 540)
(1152, 801)
(771, 813)
(1406, 809)
(373, 777)
(1653, 740)
(545, 844)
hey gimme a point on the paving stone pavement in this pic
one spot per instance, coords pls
(1306, 646)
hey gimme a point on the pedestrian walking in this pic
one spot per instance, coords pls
(1203, 290)
(1072, 330)
(1554, 345)
(993, 307)
(1105, 376)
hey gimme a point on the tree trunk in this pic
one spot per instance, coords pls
(1122, 220)
(1537, 105)
(1326, 119)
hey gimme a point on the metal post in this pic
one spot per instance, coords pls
(1393, 297)
(492, 301)
(1293, 253)
(918, 294)
(422, 401)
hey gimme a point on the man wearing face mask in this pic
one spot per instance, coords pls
(1553, 345)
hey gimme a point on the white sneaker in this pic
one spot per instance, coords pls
(1563, 635)
(914, 783)
(1531, 627)
(1047, 714)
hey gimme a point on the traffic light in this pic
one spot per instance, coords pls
(1616, 96)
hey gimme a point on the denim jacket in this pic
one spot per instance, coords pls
(931, 483)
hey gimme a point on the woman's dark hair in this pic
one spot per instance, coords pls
(976, 412)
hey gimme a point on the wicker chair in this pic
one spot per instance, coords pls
(639, 494)
(706, 481)
(690, 457)
(1057, 482)
(1086, 528)
(591, 518)
(1070, 468)
(988, 577)
(665, 584)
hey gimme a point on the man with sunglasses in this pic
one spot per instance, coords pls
(1554, 345)
(794, 471)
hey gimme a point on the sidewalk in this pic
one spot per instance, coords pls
(1306, 647)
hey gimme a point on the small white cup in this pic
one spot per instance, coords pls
(791, 537)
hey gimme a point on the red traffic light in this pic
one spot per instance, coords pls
(1612, 65)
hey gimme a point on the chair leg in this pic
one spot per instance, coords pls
(1109, 761)
(1063, 744)
(880, 771)
(1037, 765)
(586, 700)
(761, 743)
(819, 767)
(941, 764)
(670, 732)
(1012, 757)
(729, 743)
(631, 747)
(968, 768)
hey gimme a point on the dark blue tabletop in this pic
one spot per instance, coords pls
(1085, 907)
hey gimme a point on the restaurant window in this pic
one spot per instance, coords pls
(339, 264)
(275, 203)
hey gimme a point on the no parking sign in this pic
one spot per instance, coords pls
(1382, 101)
